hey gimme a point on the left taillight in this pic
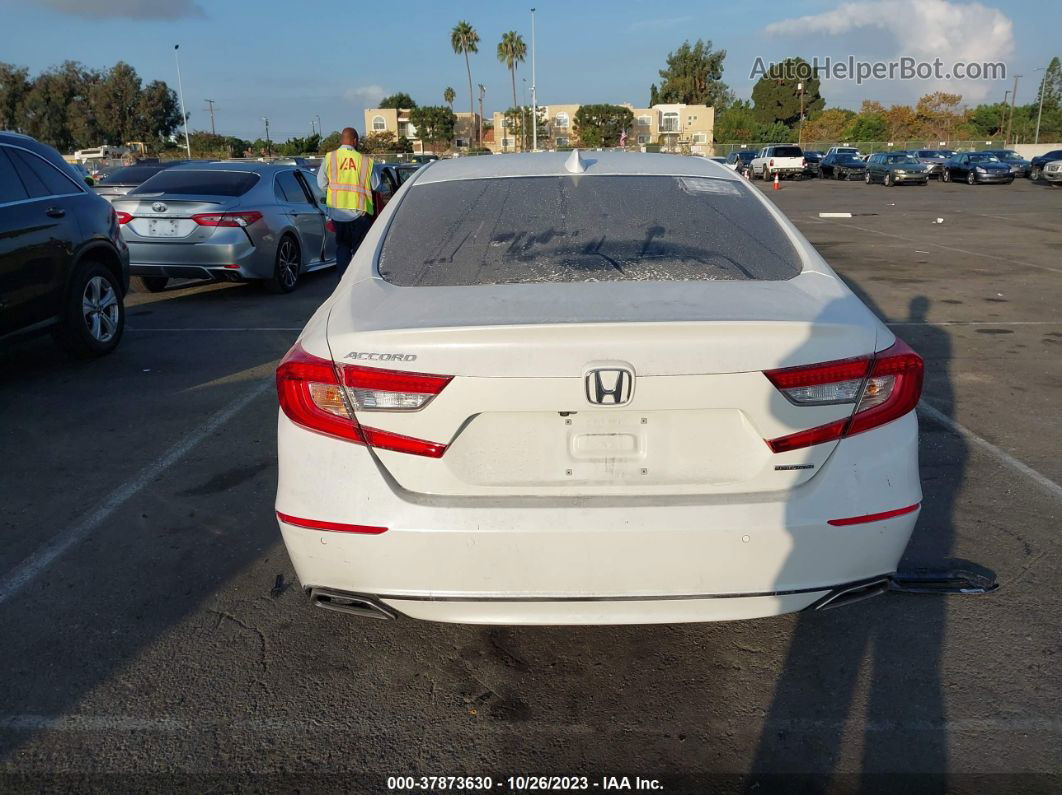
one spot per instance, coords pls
(312, 395)
(885, 387)
(123, 218)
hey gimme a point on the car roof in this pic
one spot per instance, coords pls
(250, 167)
(550, 164)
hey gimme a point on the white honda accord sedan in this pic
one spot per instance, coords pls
(593, 388)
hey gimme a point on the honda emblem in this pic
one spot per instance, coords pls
(610, 386)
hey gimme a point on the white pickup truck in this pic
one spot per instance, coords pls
(785, 160)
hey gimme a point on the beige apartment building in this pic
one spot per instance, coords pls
(397, 122)
(674, 127)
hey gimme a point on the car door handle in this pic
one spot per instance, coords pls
(55, 212)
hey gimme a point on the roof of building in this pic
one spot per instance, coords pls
(541, 164)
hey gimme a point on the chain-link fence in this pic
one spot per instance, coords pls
(868, 147)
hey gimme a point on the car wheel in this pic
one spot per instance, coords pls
(286, 268)
(766, 175)
(887, 179)
(971, 178)
(838, 174)
(152, 284)
(93, 317)
(1034, 173)
(1010, 180)
(866, 177)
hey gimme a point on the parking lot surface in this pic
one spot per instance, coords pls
(148, 642)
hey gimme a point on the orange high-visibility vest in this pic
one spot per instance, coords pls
(349, 180)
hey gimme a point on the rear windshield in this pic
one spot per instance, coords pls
(131, 175)
(583, 229)
(788, 151)
(199, 183)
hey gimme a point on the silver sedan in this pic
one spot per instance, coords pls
(226, 221)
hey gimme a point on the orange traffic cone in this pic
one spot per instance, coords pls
(777, 184)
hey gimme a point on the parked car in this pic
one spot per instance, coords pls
(226, 221)
(842, 166)
(933, 160)
(844, 150)
(785, 160)
(403, 171)
(494, 408)
(1052, 172)
(812, 159)
(974, 167)
(739, 161)
(1036, 165)
(1019, 166)
(63, 264)
(721, 160)
(120, 182)
(895, 168)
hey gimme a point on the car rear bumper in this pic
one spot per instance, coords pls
(236, 259)
(596, 560)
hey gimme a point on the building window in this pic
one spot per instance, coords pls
(506, 143)
(700, 138)
(378, 124)
(562, 140)
(643, 139)
(561, 120)
(459, 142)
(505, 123)
(644, 121)
(670, 122)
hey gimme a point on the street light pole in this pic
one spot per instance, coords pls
(482, 91)
(1040, 113)
(1010, 121)
(269, 144)
(1003, 112)
(180, 90)
(534, 96)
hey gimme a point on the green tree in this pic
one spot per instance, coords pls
(601, 125)
(329, 143)
(14, 85)
(694, 76)
(828, 125)
(463, 40)
(737, 124)
(434, 123)
(1051, 85)
(449, 95)
(160, 114)
(517, 121)
(776, 96)
(401, 100)
(47, 104)
(868, 125)
(512, 51)
(115, 103)
(377, 142)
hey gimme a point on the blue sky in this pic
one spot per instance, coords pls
(292, 61)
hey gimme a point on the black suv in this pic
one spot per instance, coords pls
(63, 264)
(1036, 165)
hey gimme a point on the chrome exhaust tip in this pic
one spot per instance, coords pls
(352, 603)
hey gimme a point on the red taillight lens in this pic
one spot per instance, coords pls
(123, 218)
(312, 396)
(888, 387)
(332, 527)
(227, 219)
(330, 226)
(771, 164)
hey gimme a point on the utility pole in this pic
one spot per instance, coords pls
(800, 133)
(313, 129)
(534, 96)
(180, 88)
(1040, 113)
(1010, 123)
(1003, 112)
(482, 92)
(320, 129)
(269, 145)
(210, 107)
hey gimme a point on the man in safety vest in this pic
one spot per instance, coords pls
(346, 176)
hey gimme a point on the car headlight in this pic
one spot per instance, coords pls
(980, 170)
(899, 171)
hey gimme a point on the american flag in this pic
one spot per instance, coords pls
(623, 138)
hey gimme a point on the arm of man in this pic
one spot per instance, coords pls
(322, 173)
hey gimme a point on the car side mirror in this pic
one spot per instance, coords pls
(90, 181)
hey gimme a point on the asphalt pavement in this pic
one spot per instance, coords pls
(154, 636)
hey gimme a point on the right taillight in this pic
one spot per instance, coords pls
(886, 385)
(123, 218)
(245, 218)
(312, 396)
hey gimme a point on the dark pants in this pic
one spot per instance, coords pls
(349, 235)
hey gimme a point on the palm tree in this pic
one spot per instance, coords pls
(449, 95)
(511, 51)
(464, 39)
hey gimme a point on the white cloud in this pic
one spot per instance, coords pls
(366, 95)
(131, 9)
(921, 29)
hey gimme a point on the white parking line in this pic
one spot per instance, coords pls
(1008, 260)
(1005, 458)
(32, 566)
(979, 323)
(248, 328)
